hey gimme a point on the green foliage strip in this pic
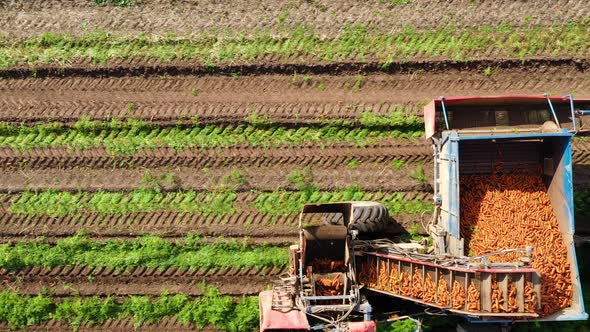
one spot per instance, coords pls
(61, 203)
(283, 203)
(221, 202)
(355, 43)
(130, 136)
(211, 309)
(148, 251)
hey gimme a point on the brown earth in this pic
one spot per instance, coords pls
(326, 17)
(370, 176)
(85, 281)
(282, 98)
(313, 155)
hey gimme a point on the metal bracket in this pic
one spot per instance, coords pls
(444, 109)
(552, 109)
(571, 98)
(437, 200)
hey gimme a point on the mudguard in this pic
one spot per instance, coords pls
(278, 320)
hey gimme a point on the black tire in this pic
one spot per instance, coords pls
(333, 218)
(369, 217)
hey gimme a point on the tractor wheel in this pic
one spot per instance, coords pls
(367, 217)
(333, 219)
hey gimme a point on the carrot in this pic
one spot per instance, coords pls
(429, 289)
(458, 295)
(405, 284)
(443, 295)
(501, 211)
(473, 298)
(417, 284)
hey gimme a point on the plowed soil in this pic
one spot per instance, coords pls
(84, 281)
(281, 98)
(30, 18)
(372, 176)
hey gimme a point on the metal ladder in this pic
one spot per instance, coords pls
(283, 291)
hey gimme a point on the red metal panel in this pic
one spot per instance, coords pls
(494, 100)
(453, 268)
(369, 326)
(429, 119)
(277, 320)
(433, 107)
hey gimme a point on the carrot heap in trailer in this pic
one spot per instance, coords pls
(511, 210)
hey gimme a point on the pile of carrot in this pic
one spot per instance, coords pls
(383, 276)
(502, 211)
(325, 265)
(512, 305)
(418, 284)
(368, 273)
(329, 287)
(458, 295)
(473, 298)
(429, 290)
(443, 295)
(406, 284)
(530, 297)
(394, 285)
(497, 298)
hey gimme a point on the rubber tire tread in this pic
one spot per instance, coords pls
(366, 219)
(370, 219)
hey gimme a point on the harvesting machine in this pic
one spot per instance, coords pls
(347, 252)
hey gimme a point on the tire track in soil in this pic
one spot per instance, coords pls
(316, 155)
(370, 176)
(31, 18)
(88, 281)
(282, 98)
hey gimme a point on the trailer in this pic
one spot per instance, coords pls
(483, 135)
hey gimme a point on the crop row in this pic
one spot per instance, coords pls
(59, 203)
(283, 203)
(220, 202)
(355, 43)
(211, 309)
(131, 136)
(147, 251)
